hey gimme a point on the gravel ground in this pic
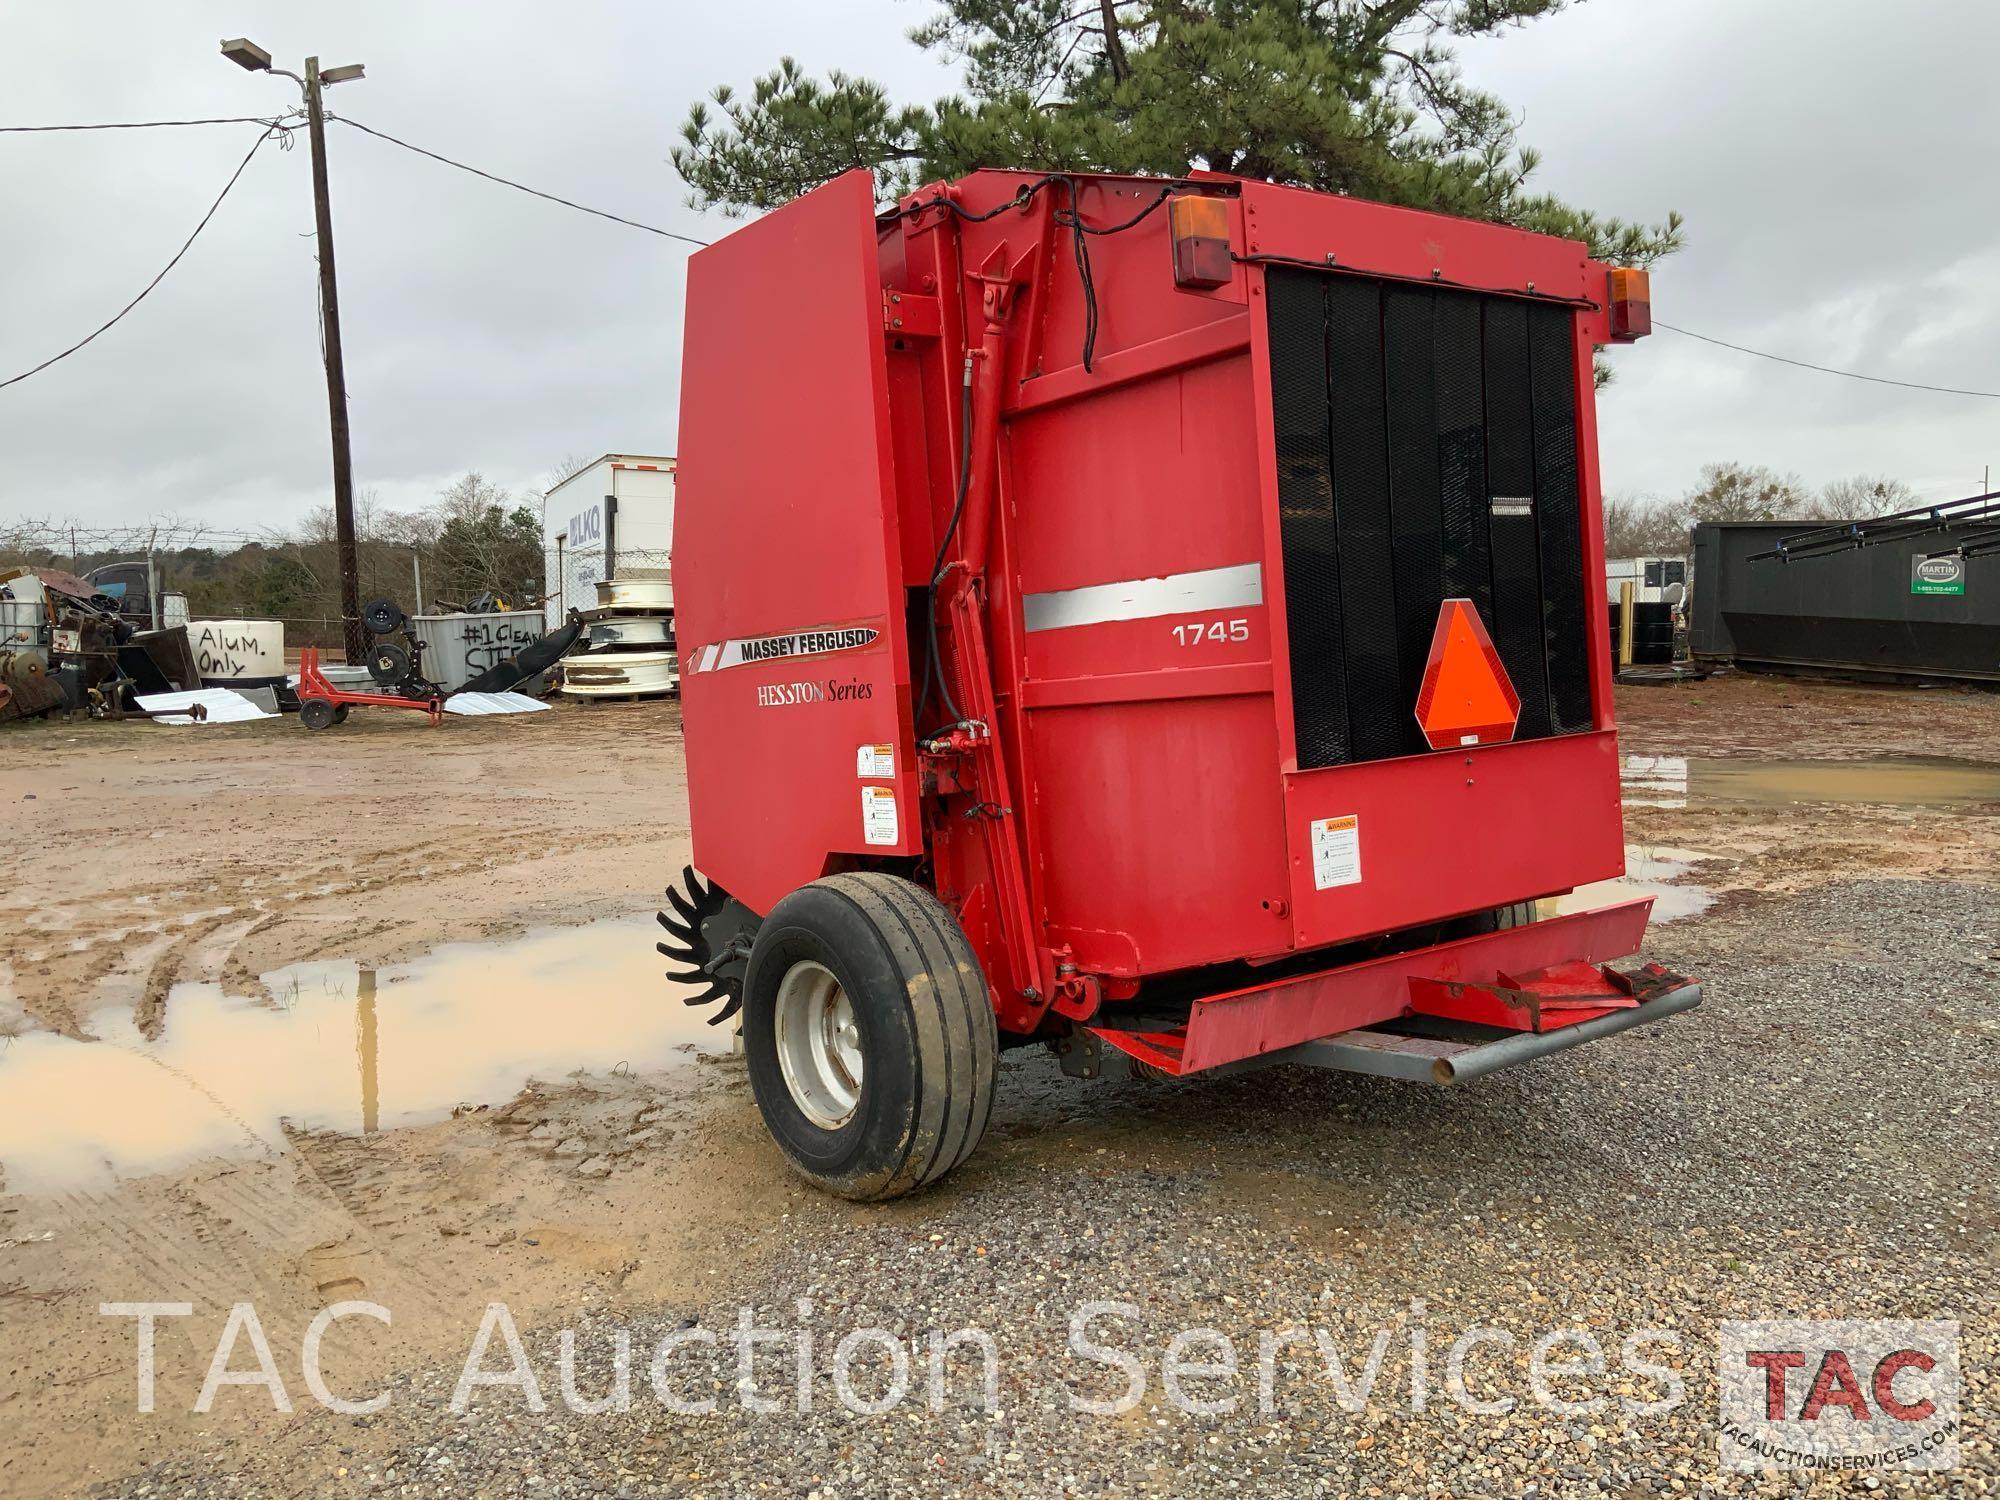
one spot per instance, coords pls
(1817, 1141)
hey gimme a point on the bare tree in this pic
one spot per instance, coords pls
(488, 541)
(569, 464)
(1745, 492)
(1642, 526)
(1861, 495)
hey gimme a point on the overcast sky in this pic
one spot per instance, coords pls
(1838, 162)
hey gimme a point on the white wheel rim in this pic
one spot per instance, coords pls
(819, 1045)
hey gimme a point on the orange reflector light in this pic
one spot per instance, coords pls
(1631, 305)
(1201, 241)
(1466, 698)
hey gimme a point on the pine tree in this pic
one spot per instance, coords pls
(1363, 97)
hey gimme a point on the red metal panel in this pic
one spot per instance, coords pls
(1595, 586)
(1132, 272)
(1454, 832)
(1163, 647)
(1251, 1022)
(786, 523)
(1166, 825)
(1143, 480)
(1150, 747)
(1377, 240)
(1158, 823)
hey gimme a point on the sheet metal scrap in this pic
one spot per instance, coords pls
(67, 584)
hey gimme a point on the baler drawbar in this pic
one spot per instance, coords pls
(1150, 618)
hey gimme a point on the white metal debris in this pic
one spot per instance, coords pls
(620, 674)
(493, 703)
(223, 706)
(645, 595)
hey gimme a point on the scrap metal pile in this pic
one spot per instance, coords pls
(73, 645)
(631, 643)
(66, 646)
(396, 665)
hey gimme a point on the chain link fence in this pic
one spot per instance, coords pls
(240, 575)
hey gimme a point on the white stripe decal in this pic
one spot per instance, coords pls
(1146, 598)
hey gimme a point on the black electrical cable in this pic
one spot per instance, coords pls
(934, 664)
(1020, 199)
(1080, 245)
(233, 176)
(383, 135)
(133, 125)
(1070, 218)
(1025, 196)
(1908, 385)
(1137, 219)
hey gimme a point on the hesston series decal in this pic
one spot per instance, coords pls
(785, 694)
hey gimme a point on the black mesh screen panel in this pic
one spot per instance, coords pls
(1417, 527)
(1461, 419)
(1426, 451)
(1305, 515)
(1552, 366)
(1516, 623)
(1366, 541)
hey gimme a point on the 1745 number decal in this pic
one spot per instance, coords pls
(1212, 632)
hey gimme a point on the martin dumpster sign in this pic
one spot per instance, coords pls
(1937, 575)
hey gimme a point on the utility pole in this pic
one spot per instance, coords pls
(336, 377)
(246, 54)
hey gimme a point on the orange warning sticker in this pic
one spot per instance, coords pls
(1336, 852)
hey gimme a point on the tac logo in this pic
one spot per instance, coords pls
(1845, 1396)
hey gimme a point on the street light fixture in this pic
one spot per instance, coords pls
(247, 55)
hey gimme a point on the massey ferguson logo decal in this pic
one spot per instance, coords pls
(806, 643)
(821, 641)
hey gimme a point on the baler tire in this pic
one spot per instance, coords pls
(928, 1039)
(1482, 923)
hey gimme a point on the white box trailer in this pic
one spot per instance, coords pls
(613, 518)
(1654, 580)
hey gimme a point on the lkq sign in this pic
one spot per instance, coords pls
(1847, 1397)
(587, 528)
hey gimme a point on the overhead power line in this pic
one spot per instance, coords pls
(273, 127)
(518, 187)
(147, 289)
(133, 125)
(1908, 385)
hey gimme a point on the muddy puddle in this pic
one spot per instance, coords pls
(1912, 781)
(1649, 871)
(333, 1046)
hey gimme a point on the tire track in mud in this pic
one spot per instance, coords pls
(62, 952)
(149, 1014)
